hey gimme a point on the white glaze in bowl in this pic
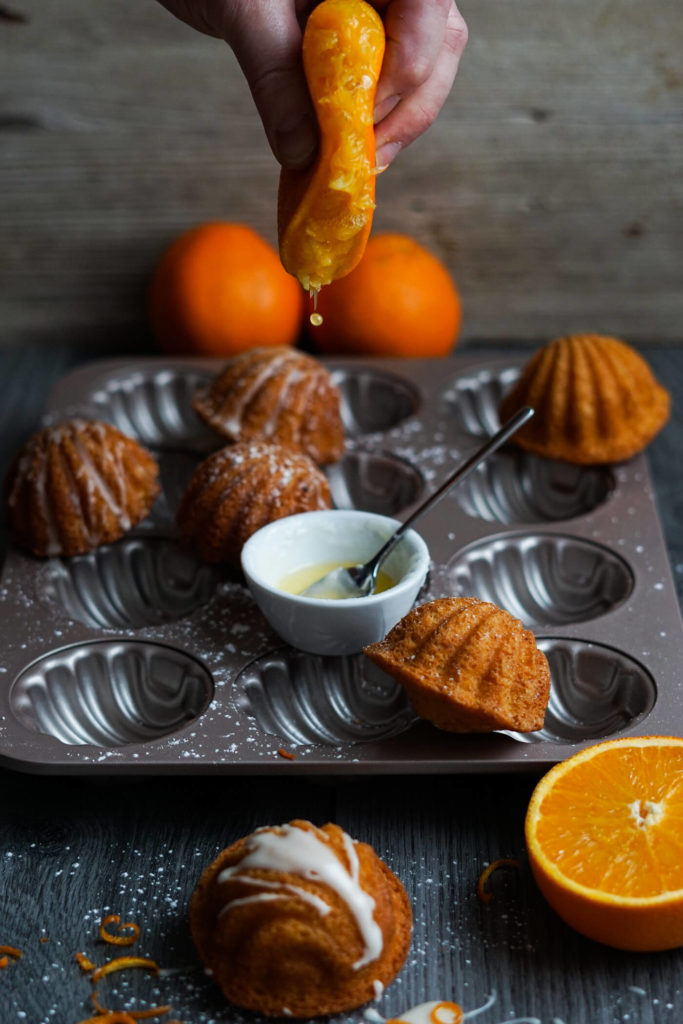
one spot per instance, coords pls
(341, 536)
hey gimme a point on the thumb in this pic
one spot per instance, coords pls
(266, 39)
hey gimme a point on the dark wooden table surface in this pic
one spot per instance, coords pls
(75, 849)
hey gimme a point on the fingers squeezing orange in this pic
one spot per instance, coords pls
(325, 212)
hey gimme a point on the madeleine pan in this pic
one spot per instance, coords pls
(138, 658)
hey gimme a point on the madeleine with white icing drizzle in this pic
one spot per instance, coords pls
(301, 917)
(276, 394)
(76, 485)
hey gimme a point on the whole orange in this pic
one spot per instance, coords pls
(399, 301)
(220, 289)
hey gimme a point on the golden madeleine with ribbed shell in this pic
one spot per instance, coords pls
(242, 487)
(467, 666)
(76, 485)
(277, 394)
(595, 398)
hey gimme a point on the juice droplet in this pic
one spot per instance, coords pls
(316, 319)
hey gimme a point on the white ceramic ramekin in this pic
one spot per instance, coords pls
(325, 626)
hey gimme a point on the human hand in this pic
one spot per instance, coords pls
(425, 41)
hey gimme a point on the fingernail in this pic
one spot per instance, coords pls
(385, 107)
(296, 145)
(386, 153)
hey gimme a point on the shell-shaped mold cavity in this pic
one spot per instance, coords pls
(111, 693)
(374, 482)
(156, 408)
(373, 401)
(514, 487)
(140, 581)
(596, 691)
(306, 698)
(475, 397)
(175, 470)
(543, 579)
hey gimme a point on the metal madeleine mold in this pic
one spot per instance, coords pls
(515, 487)
(543, 579)
(111, 693)
(373, 401)
(374, 482)
(175, 469)
(139, 581)
(138, 658)
(306, 698)
(155, 407)
(475, 397)
(596, 692)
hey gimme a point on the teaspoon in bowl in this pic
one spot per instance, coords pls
(360, 580)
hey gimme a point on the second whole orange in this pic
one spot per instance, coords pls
(399, 301)
(220, 289)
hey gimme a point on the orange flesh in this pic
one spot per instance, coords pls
(614, 823)
(325, 213)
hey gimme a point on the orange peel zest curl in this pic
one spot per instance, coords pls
(134, 1015)
(11, 951)
(119, 940)
(482, 881)
(122, 963)
(84, 962)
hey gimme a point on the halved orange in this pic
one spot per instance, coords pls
(604, 833)
(325, 213)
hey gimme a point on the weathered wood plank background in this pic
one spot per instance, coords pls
(550, 184)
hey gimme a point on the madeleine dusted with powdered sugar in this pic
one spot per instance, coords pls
(76, 485)
(241, 488)
(295, 920)
(277, 394)
(467, 666)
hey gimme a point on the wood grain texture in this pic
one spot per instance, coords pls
(74, 851)
(136, 849)
(550, 183)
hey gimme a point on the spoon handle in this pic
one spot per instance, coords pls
(499, 438)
